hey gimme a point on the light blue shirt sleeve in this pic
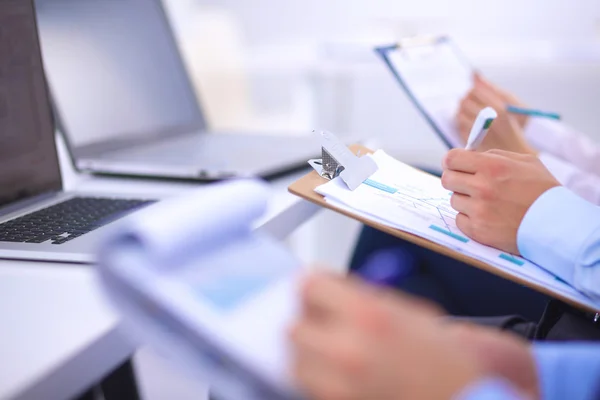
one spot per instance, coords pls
(490, 389)
(568, 371)
(561, 233)
(565, 371)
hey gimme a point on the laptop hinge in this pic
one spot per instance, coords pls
(28, 202)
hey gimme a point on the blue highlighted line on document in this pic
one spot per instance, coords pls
(380, 186)
(512, 259)
(560, 280)
(227, 291)
(451, 234)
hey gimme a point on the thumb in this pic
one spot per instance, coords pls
(478, 78)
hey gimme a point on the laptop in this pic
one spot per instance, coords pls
(38, 220)
(126, 105)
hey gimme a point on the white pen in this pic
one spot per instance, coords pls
(480, 128)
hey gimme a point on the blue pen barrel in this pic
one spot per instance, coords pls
(532, 112)
(388, 267)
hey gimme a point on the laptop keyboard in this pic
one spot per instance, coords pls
(67, 220)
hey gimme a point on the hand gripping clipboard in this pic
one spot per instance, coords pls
(305, 188)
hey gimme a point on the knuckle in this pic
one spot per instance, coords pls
(529, 158)
(308, 287)
(370, 316)
(375, 321)
(446, 180)
(453, 201)
(487, 192)
(294, 333)
(352, 361)
(450, 158)
(462, 222)
(480, 189)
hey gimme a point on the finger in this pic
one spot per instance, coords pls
(458, 182)
(486, 94)
(318, 380)
(309, 337)
(464, 125)
(463, 161)
(328, 296)
(335, 354)
(470, 106)
(461, 203)
(464, 224)
(504, 95)
(480, 80)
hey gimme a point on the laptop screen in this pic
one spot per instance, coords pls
(28, 158)
(115, 70)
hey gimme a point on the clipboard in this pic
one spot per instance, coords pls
(305, 189)
(403, 49)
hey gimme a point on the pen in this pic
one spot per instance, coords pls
(532, 112)
(480, 128)
(388, 267)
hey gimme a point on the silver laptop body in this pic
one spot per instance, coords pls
(30, 178)
(125, 103)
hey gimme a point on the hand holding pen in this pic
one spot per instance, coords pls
(508, 131)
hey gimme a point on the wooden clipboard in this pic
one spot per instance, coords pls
(305, 188)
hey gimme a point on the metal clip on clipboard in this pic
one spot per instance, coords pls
(337, 160)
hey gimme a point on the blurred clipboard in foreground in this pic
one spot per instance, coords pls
(435, 76)
(196, 283)
(412, 205)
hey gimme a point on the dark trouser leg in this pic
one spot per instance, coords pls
(512, 323)
(91, 394)
(121, 384)
(459, 288)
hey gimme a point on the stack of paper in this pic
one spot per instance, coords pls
(195, 282)
(405, 198)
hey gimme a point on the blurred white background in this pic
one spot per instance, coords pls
(295, 65)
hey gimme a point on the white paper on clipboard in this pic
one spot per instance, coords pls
(436, 77)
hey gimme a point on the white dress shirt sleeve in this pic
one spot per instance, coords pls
(570, 156)
(584, 184)
(564, 142)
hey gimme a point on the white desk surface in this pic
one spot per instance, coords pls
(58, 335)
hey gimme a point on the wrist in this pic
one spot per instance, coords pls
(525, 148)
